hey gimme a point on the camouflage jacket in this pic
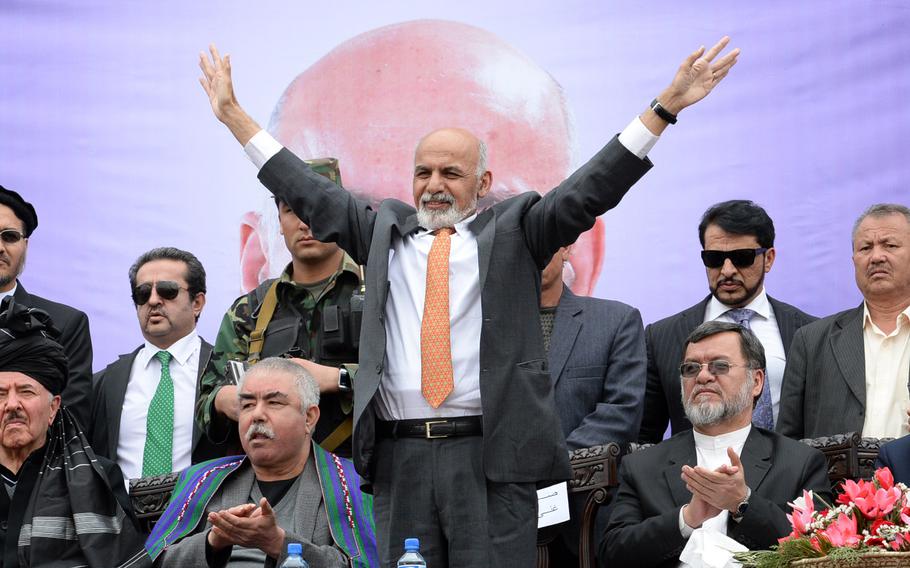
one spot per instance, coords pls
(233, 342)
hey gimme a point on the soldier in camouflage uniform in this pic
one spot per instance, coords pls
(313, 323)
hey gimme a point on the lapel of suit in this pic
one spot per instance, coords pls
(484, 228)
(20, 295)
(681, 453)
(116, 380)
(785, 323)
(756, 458)
(205, 353)
(846, 342)
(235, 490)
(565, 332)
(691, 318)
(402, 229)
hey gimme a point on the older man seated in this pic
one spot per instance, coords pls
(245, 510)
(62, 505)
(727, 476)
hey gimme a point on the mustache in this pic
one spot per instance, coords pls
(698, 391)
(878, 267)
(259, 429)
(13, 415)
(437, 198)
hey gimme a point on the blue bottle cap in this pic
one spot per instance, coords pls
(411, 544)
(295, 548)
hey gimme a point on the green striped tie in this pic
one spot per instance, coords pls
(159, 429)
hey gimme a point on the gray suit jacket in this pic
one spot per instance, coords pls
(824, 389)
(666, 340)
(644, 525)
(597, 362)
(515, 240)
(312, 523)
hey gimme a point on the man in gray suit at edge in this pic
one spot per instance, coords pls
(738, 241)
(454, 444)
(849, 372)
(596, 351)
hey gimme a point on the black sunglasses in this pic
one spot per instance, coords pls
(717, 367)
(11, 236)
(741, 258)
(167, 290)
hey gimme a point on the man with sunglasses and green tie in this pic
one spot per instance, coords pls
(726, 478)
(737, 239)
(145, 399)
(18, 220)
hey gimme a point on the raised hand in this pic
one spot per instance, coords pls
(697, 76)
(218, 85)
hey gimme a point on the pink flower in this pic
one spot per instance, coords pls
(854, 491)
(884, 477)
(879, 503)
(842, 532)
(803, 511)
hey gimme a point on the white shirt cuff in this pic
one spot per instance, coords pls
(684, 529)
(261, 147)
(636, 138)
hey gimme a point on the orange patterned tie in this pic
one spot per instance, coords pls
(435, 343)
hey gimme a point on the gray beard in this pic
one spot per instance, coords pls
(433, 220)
(707, 413)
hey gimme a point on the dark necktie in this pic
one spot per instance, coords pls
(762, 415)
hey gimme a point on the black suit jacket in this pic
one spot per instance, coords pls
(644, 525)
(109, 390)
(665, 340)
(515, 240)
(77, 344)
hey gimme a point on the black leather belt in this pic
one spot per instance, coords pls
(431, 428)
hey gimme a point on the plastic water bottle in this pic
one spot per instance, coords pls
(295, 558)
(411, 557)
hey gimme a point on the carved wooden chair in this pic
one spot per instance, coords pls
(150, 497)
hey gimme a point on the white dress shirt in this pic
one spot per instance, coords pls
(887, 373)
(399, 391)
(711, 453)
(10, 292)
(143, 382)
(764, 326)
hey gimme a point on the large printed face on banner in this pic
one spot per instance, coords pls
(370, 100)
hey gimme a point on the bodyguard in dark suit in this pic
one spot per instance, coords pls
(596, 351)
(17, 221)
(849, 372)
(726, 475)
(143, 402)
(738, 241)
(477, 445)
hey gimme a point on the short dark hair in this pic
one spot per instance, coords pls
(752, 349)
(739, 217)
(195, 273)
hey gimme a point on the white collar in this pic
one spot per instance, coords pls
(181, 350)
(759, 304)
(732, 439)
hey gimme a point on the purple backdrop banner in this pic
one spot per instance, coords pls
(103, 126)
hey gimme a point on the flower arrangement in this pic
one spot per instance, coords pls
(868, 517)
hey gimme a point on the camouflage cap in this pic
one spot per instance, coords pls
(326, 167)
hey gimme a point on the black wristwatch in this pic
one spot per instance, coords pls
(740, 511)
(344, 380)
